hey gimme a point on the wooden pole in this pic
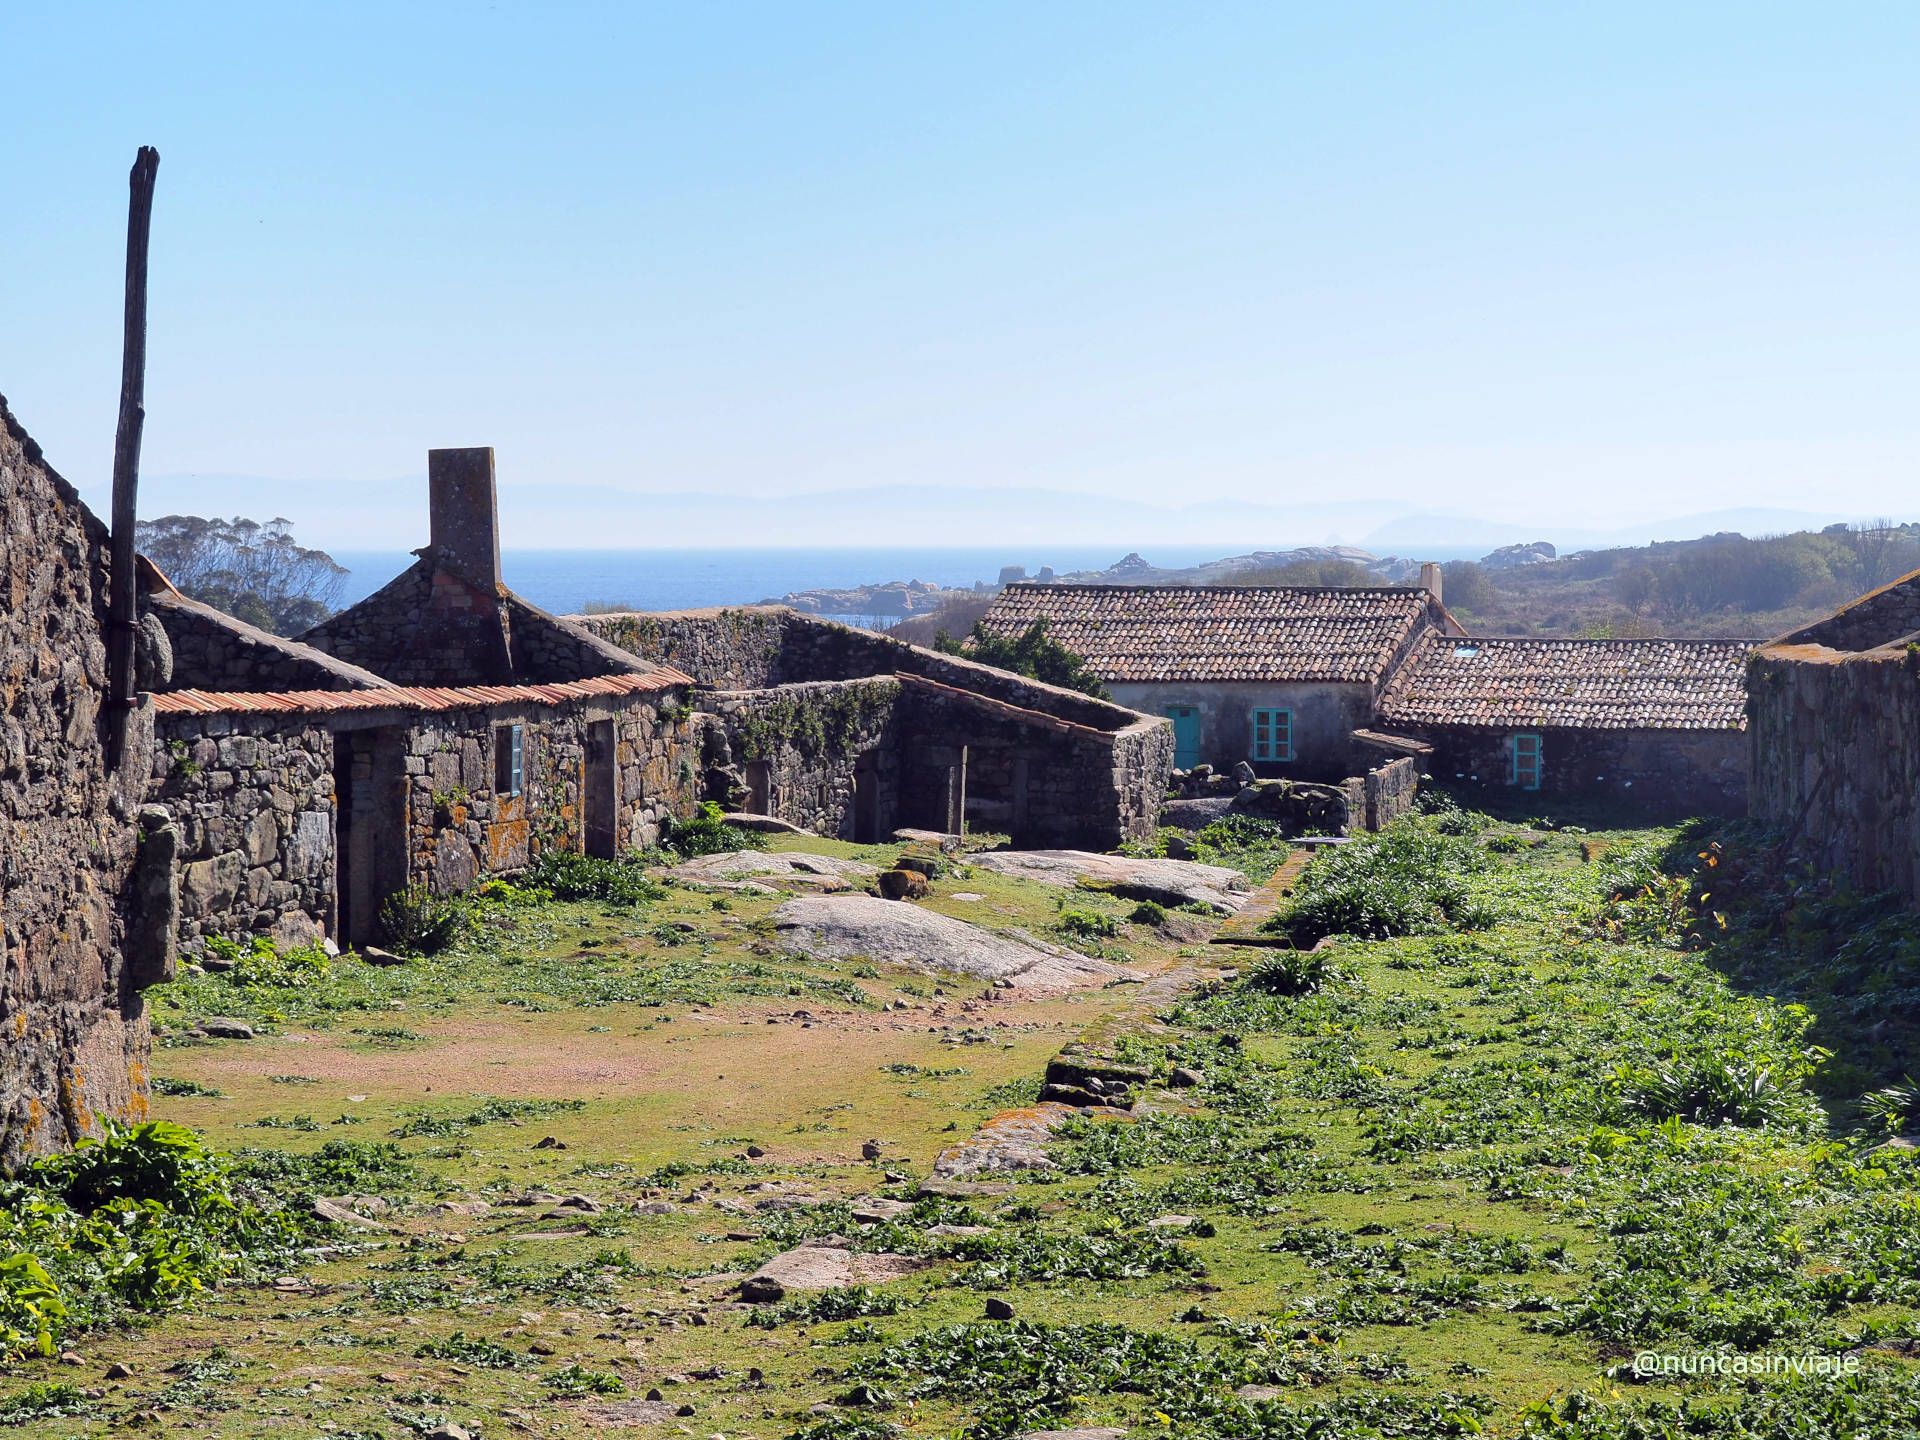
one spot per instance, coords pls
(122, 599)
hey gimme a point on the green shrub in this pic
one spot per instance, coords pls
(1087, 924)
(1148, 912)
(1291, 972)
(1504, 844)
(260, 962)
(705, 833)
(157, 1161)
(416, 921)
(570, 876)
(1409, 879)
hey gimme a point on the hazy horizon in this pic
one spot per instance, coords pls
(1544, 270)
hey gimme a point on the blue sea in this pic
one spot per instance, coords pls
(565, 581)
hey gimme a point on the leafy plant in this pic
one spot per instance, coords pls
(1410, 879)
(571, 876)
(417, 921)
(706, 833)
(1086, 924)
(1291, 972)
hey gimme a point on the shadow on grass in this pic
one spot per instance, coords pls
(1793, 934)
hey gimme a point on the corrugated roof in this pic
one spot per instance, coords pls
(1150, 633)
(1589, 684)
(461, 697)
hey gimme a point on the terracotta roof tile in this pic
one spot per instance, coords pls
(396, 697)
(1150, 633)
(1590, 684)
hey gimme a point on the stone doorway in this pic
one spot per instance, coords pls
(868, 821)
(759, 788)
(369, 829)
(600, 793)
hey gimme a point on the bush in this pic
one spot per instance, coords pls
(1034, 653)
(582, 877)
(1248, 843)
(263, 963)
(157, 1161)
(1407, 880)
(705, 833)
(1291, 972)
(1087, 924)
(416, 921)
(1148, 912)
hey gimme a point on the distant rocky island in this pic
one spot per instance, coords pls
(905, 598)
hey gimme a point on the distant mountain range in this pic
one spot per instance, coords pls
(392, 513)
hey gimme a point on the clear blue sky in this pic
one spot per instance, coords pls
(1540, 263)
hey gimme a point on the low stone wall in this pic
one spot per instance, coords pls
(820, 755)
(1388, 793)
(252, 798)
(1660, 773)
(1835, 754)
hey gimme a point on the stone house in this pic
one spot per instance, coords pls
(1277, 676)
(444, 728)
(1660, 723)
(1317, 684)
(1834, 714)
(80, 934)
(849, 733)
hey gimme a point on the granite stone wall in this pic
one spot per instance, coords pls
(1050, 766)
(252, 798)
(1386, 793)
(821, 755)
(76, 1039)
(460, 826)
(1659, 773)
(1835, 755)
(214, 651)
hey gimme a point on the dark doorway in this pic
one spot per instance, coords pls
(866, 800)
(759, 788)
(601, 792)
(370, 829)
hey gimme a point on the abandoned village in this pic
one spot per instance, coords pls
(443, 729)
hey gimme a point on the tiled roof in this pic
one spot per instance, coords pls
(1590, 684)
(1149, 633)
(462, 697)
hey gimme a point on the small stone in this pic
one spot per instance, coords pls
(762, 1290)
(223, 1027)
(1184, 1078)
(449, 1431)
(374, 955)
(540, 1347)
(119, 1370)
(655, 1395)
(549, 1142)
(684, 1411)
(71, 1357)
(998, 1309)
(582, 1203)
(870, 1150)
(754, 1152)
(217, 964)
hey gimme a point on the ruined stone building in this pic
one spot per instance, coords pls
(1319, 683)
(1834, 714)
(443, 729)
(76, 935)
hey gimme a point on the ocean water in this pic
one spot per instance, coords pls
(564, 581)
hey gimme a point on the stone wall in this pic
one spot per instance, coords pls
(460, 827)
(252, 798)
(214, 651)
(820, 755)
(1659, 773)
(735, 648)
(1324, 718)
(1386, 793)
(431, 626)
(1835, 754)
(1050, 766)
(76, 1033)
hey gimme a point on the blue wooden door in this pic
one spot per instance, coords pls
(1186, 735)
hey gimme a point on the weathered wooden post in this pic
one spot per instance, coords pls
(122, 597)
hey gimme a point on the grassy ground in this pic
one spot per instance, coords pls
(1453, 1181)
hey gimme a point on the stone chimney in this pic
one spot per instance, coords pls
(465, 524)
(1430, 579)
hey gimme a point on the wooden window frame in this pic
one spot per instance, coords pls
(1277, 721)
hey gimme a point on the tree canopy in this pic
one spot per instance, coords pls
(253, 570)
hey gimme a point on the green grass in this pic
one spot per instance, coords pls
(1435, 1184)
